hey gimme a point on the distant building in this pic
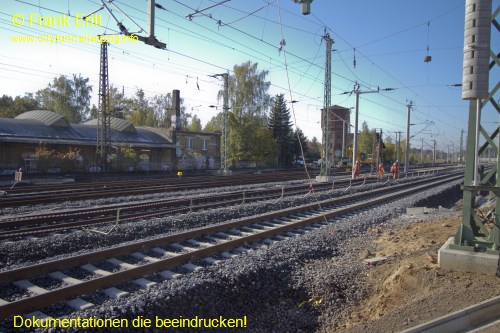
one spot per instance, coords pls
(72, 147)
(339, 130)
(198, 150)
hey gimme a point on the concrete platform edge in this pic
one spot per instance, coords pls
(462, 320)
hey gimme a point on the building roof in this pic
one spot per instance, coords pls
(49, 127)
(118, 124)
(338, 107)
(45, 117)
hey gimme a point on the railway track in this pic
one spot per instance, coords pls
(30, 195)
(158, 256)
(38, 224)
(34, 225)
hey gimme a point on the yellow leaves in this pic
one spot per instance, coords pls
(315, 301)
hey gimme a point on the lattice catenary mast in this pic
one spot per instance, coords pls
(103, 116)
(325, 166)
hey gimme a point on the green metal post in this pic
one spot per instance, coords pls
(474, 234)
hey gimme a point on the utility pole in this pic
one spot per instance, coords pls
(461, 145)
(357, 92)
(398, 147)
(422, 152)
(103, 116)
(176, 107)
(343, 139)
(373, 153)
(355, 134)
(434, 153)
(380, 156)
(325, 166)
(225, 122)
(407, 135)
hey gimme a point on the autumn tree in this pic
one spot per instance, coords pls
(195, 124)
(139, 112)
(366, 139)
(69, 97)
(10, 108)
(249, 98)
(215, 124)
(163, 108)
(390, 150)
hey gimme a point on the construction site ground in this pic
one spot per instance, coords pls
(409, 288)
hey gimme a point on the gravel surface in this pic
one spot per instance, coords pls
(21, 253)
(302, 284)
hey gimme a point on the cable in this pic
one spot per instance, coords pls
(297, 130)
(303, 74)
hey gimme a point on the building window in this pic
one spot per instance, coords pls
(204, 145)
(190, 142)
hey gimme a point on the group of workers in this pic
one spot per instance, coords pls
(394, 170)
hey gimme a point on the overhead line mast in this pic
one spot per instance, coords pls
(478, 233)
(103, 117)
(225, 122)
(325, 166)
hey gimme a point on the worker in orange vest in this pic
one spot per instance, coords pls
(381, 171)
(357, 169)
(395, 170)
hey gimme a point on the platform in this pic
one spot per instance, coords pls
(479, 318)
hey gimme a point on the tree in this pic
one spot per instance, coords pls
(10, 108)
(7, 107)
(164, 110)
(215, 124)
(195, 125)
(299, 143)
(390, 150)
(249, 101)
(81, 98)
(365, 140)
(265, 149)
(281, 128)
(116, 103)
(139, 112)
(70, 97)
(314, 149)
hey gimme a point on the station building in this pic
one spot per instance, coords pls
(43, 141)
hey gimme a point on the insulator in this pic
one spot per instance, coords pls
(477, 35)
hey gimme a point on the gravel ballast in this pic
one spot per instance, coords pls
(302, 284)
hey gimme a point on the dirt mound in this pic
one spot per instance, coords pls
(409, 288)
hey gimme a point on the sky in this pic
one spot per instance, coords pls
(376, 44)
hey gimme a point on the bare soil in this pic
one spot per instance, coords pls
(409, 288)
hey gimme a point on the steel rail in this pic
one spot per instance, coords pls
(51, 297)
(44, 223)
(109, 190)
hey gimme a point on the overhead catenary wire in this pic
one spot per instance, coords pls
(297, 131)
(308, 64)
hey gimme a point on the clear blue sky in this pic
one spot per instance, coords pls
(388, 39)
